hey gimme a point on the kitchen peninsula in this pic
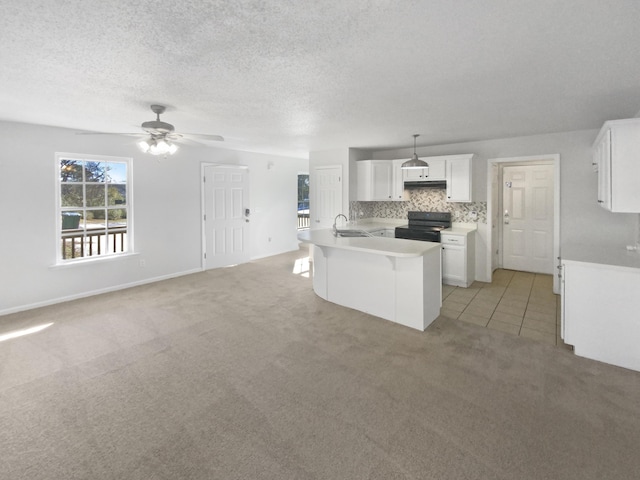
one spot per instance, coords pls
(395, 279)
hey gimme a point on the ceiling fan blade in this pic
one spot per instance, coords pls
(114, 133)
(202, 136)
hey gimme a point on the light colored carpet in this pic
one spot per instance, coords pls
(243, 373)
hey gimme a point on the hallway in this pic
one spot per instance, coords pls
(519, 303)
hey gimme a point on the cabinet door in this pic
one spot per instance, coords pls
(382, 179)
(603, 159)
(397, 190)
(364, 192)
(374, 180)
(459, 179)
(437, 168)
(454, 265)
(414, 174)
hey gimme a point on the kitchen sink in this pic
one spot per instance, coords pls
(351, 233)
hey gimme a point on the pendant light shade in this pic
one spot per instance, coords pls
(415, 162)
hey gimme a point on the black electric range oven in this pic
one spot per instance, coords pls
(425, 226)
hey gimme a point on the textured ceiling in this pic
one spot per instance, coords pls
(288, 77)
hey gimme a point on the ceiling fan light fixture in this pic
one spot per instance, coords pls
(144, 145)
(161, 146)
(157, 146)
(414, 162)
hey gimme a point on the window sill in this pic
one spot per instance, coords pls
(91, 261)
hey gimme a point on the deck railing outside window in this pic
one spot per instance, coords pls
(303, 220)
(76, 243)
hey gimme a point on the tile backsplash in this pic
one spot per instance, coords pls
(423, 199)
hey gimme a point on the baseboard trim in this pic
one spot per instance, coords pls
(92, 293)
(274, 254)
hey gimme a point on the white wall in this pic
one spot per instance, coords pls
(167, 213)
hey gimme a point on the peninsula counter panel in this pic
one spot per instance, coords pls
(395, 279)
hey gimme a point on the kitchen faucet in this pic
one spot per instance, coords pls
(335, 220)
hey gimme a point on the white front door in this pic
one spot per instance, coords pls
(527, 218)
(226, 216)
(327, 196)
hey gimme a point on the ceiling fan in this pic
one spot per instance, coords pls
(160, 135)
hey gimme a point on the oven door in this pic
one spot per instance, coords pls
(424, 235)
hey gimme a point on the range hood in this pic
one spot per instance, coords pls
(426, 184)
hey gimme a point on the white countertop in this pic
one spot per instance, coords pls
(613, 256)
(461, 229)
(393, 247)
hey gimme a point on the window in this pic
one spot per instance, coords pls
(94, 206)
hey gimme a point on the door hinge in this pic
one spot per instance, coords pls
(204, 179)
(205, 255)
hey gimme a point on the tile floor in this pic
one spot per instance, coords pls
(520, 303)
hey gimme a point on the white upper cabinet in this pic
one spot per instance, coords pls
(616, 157)
(375, 180)
(398, 192)
(383, 180)
(459, 178)
(436, 170)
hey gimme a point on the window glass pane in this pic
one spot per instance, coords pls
(117, 195)
(95, 195)
(117, 217)
(71, 220)
(71, 195)
(116, 172)
(95, 171)
(95, 219)
(70, 170)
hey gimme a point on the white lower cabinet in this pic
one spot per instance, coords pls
(599, 313)
(458, 259)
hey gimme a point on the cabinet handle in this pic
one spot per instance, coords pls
(600, 201)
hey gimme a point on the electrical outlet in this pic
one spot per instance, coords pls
(473, 215)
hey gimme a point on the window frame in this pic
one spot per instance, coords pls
(59, 209)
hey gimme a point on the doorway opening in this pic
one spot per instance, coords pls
(303, 201)
(527, 239)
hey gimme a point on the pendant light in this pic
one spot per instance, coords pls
(415, 162)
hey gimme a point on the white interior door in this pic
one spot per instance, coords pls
(527, 218)
(226, 216)
(327, 195)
